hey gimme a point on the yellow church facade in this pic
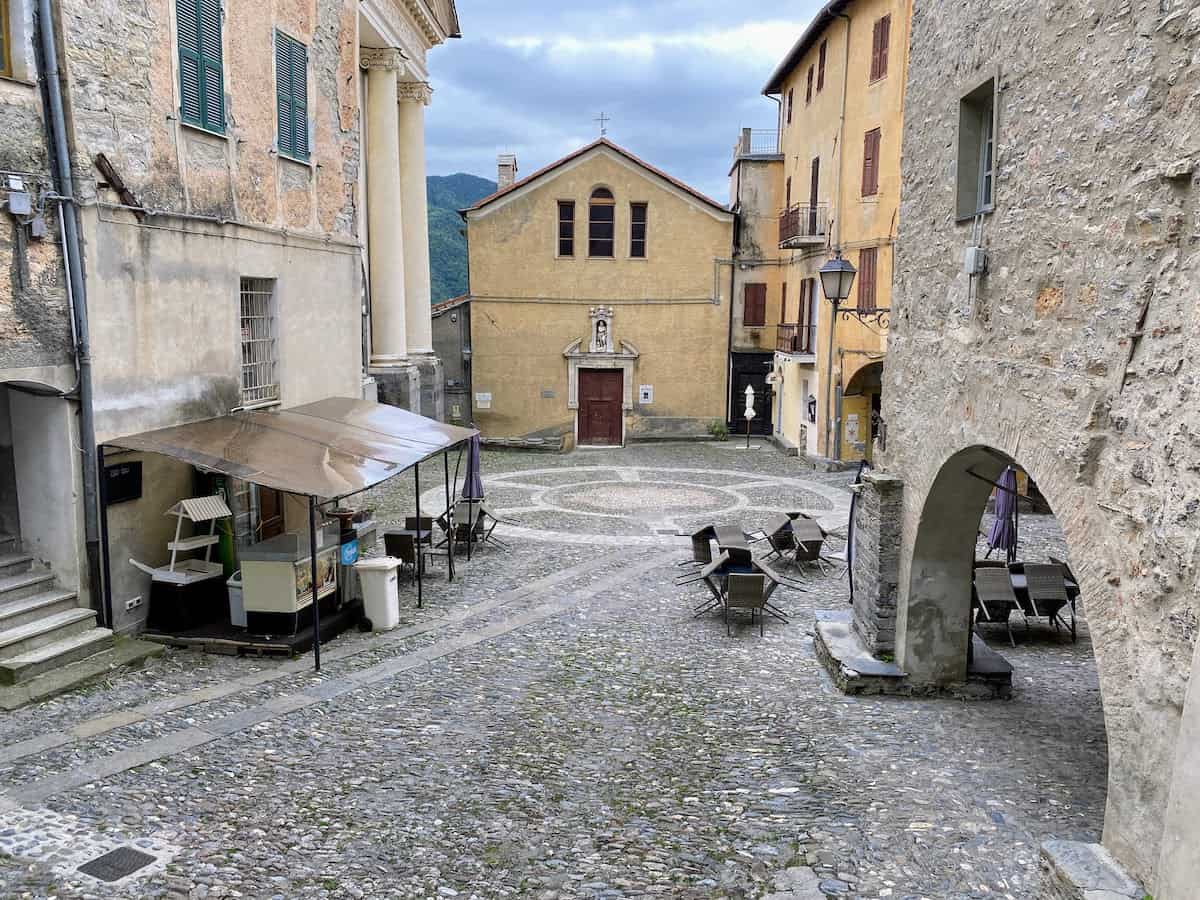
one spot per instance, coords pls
(841, 101)
(599, 292)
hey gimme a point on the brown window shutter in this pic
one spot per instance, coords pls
(754, 313)
(808, 93)
(791, 91)
(787, 201)
(821, 65)
(866, 278)
(783, 305)
(885, 31)
(870, 179)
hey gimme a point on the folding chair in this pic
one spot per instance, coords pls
(995, 597)
(746, 592)
(1048, 593)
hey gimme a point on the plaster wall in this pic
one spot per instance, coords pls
(758, 190)
(856, 222)
(528, 304)
(792, 424)
(1076, 355)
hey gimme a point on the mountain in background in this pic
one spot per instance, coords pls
(447, 245)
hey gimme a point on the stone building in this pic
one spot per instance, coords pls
(841, 94)
(1061, 142)
(759, 285)
(599, 292)
(238, 168)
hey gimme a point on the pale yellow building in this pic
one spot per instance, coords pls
(841, 98)
(599, 290)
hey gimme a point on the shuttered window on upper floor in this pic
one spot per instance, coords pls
(821, 65)
(870, 175)
(754, 307)
(879, 47)
(6, 68)
(291, 92)
(809, 90)
(867, 258)
(201, 73)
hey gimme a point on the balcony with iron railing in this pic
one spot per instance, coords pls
(798, 339)
(755, 142)
(804, 225)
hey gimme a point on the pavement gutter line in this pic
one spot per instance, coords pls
(189, 738)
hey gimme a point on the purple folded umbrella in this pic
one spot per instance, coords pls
(1003, 533)
(473, 482)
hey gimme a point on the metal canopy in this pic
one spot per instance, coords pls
(326, 449)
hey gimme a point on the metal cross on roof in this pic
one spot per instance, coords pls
(603, 120)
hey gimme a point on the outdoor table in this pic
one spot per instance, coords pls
(423, 536)
(1021, 586)
(731, 536)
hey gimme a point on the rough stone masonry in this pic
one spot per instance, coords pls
(1076, 353)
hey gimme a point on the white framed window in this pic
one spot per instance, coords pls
(260, 379)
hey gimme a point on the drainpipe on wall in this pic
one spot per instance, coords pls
(73, 259)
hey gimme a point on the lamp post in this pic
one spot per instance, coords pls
(837, 277)
(749, 414)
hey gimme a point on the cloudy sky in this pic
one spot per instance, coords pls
(678, 77)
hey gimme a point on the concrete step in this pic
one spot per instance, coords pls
(36, 606)
(55, 655)
(35, 581)
(44, 630)
(123, 652)
(14, 563)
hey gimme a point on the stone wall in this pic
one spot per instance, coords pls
(876, 569)
(1076, 354)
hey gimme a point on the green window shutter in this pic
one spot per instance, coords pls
(291, 93)
(201, 73)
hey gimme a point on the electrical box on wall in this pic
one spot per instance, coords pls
(975, 261)
(122, 482)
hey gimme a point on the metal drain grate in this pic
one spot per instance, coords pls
(117, 864)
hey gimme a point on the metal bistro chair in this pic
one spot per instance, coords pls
(774, 582)
(1048, 593)
(701, 553)
(995, 598)
(810, 540)
(404, 548)
(710, 576)
(746, 592)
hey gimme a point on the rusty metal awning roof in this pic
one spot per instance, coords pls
(326, 449)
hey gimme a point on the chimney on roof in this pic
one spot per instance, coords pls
(506, 170)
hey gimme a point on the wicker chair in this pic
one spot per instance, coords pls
(746, 592)
(1048, 593)
(995, 598)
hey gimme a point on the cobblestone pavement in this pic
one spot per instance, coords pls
(555, 724)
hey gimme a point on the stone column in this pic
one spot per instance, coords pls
(414, 97)
(877, 522)
(385, 233)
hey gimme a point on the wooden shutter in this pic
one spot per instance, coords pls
(201, 76)
(783, 304)
(879, 47)
(866, 278)
(808, 93)
(870, 176)
(755, 305)
(790, 98)
(291, 92)
(821, 65)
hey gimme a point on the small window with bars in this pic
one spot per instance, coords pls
(291, 94)
(637, 230)
(566, 227)
(260, 382)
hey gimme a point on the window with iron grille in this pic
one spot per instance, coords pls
(201, 71)
(637, 230)
(260, 382)
(566, 227)
(291, 95)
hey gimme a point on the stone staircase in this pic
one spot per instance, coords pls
(48, 643)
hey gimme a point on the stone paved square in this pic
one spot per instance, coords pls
(556, 724)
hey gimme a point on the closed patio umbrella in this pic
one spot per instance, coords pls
(1003, 533)
(472, 490)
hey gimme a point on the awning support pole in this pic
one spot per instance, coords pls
(449, 518)
(420, 553)
(316, 604)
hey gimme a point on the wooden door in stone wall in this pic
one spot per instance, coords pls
(600, 392)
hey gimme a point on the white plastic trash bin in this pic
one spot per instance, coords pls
(381, 600)
(237, 605)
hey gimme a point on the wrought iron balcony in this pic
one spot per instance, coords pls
(804, 225)
(800, 339)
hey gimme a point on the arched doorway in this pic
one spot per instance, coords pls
(860, 413)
